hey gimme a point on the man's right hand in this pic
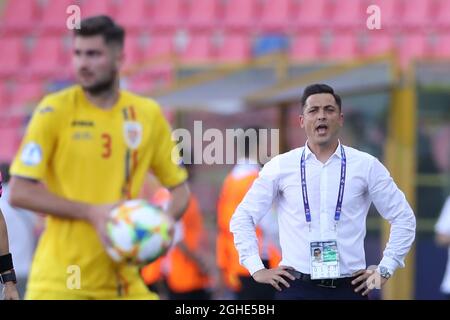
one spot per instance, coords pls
(274, 276)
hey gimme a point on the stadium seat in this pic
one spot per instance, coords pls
(343, 46)
(98, 7)
(239, 15)
(311, 14)
(159, 45)
(4, 98)
(198, 50)
(235, 49)
(54, 17)
(442, 17)
(390, 12)
(377, 43)
(305, 48)
(46, 58)
(412, 46)
(442, 47)
(275, 15)
(268, 44)
(167, 14)
(10, 142)
(349, 14)
(25, 93)
(12, 56)
(136, 15)
(133, 52)
(417, 13)
(19, 16)
(203, 15)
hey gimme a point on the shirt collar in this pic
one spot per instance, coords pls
(337, 152)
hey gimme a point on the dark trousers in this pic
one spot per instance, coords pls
(200, 294)
(252, 290)
(306, 290)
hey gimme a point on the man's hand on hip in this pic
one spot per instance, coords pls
(274, 276)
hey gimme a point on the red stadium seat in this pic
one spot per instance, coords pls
(54, 17)
(26, 93)
(442, 17)
(305, 48)
(390, 12)
(442, 48)
(133, 52)
(275, 15)
(10, 142)
(167, 14)
(12, 56)
(4, 99)
(159, 45)
(19, 16)
(46, 58)
(198, 50)
(203, 15)
(311, 14)
(133, 15)
(377, 43)
(342, 47)
(98, 7)
(239, 14)
(235, 49)
(412, 46)
(417, 13)
(349, 14)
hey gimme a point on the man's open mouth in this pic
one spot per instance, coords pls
(322, 128)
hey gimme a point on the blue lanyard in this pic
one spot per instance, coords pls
(337, 214)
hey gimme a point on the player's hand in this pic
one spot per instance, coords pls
(98, 216)
(10, 291)
(367, 280)
(274, 276)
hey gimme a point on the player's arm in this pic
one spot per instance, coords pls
(6, 264)
(443, 239)
(33, 195)
(179, 200)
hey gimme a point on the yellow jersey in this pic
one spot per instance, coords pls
(92, 155)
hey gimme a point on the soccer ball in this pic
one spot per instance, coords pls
(139, 232)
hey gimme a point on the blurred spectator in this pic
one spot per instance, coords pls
(22, 231)
(442, 229)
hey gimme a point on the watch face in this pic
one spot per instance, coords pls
(383, 270)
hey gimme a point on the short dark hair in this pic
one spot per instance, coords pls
(4, 169)
(104, 26)
(319, 88)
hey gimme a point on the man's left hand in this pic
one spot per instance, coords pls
(10, 291)
(367, 280)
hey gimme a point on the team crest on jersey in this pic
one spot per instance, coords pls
(132, 131)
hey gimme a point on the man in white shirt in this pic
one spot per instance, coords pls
(442, 229)
(322, 193)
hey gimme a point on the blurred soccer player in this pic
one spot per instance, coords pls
(234, 276)
(7, 275)
(86, 148)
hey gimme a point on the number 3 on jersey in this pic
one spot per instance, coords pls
(106, 146)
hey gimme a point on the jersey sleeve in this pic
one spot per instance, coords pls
(166, 163)
(39, 142)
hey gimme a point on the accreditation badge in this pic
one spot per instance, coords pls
(324, 259)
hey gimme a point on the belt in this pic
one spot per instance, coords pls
(327, 283)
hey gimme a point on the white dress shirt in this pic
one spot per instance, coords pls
(443, 227)
(279, 182)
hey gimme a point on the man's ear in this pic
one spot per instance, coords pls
(301, 121)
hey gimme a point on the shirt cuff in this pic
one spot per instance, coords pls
(253, 264)
(389, 263)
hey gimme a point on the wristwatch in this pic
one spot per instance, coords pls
(7, 277)
(384, 272)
